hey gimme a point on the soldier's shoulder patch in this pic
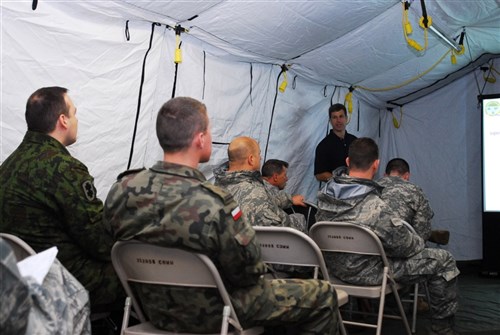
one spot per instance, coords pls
(224, 195)
(129, 172)
(89, 190)
(236, 213)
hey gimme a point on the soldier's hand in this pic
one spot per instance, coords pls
(298, 200)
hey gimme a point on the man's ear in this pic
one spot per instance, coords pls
(376, 163)
(347, 161)
(250, 159)
(199, 140)
(406, 176)
(203, 139)
(63, 121)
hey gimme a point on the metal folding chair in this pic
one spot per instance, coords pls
(21, 249)
(346, 237)
(288, 246)
(170, 267)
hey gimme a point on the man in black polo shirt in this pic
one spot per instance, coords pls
(332, 151)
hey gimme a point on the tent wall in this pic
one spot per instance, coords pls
(440, 137)
(103, 73)
(89, 54)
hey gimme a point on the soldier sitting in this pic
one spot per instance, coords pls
(356, 198)
(172, 204)
(241, 177)
(48, 198)
(274, 174)
(408, 201)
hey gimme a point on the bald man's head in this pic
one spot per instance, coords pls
(244, 154)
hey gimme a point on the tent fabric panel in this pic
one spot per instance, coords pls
(442, 144)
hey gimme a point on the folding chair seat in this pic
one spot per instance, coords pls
(346, 237)
(169, 267)
(21, 249)
(288, 246)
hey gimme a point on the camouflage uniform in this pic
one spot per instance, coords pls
(175, 206)
(409, 202)
(48, 198)
(59, 306)
(258, 206)
(282, 199)
(358, 201)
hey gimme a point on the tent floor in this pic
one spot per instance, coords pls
(478, 313)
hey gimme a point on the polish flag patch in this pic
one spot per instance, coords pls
(236, 213)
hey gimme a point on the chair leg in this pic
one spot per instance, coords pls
(414, 316)
(126, 314)
(225, 320)
(401, 309)
(341, 323)
(380, 314)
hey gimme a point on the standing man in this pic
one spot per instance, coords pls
(356, 198)
(406, 199)
(172, 204)
(332, 151)
(274, 174)
(48, 197)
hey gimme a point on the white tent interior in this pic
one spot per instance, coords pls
(233, 54)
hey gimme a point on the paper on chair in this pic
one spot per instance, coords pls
(37, 266)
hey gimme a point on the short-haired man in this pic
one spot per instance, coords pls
(406, 199)
(356, 198)
(332, 151)
(241, 177)
(48, 197)
(274, 174)
(172, 204)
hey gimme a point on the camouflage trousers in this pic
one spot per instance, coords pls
(310, 306)
(298, 221)
(438, 268)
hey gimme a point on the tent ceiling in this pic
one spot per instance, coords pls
(331, 42)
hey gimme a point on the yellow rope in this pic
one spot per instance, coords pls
(405, 82)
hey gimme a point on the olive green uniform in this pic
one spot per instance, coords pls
(48, 198)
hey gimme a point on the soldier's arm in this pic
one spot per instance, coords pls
(397, 240)
(234, 245)
(423, 215)
(265, 209)
(283, 199)
(77, 197)
(240, 255)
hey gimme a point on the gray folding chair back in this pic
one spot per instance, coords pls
(347, 237)
(21, 249)
(138, 262)
(288, 246)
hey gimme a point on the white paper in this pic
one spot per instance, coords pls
(37, 266)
